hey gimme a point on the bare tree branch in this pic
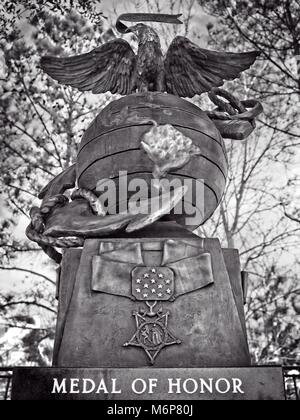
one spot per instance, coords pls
(266, 304)
(27, 303)
(25, 270)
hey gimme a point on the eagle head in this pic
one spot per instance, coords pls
(144, 33)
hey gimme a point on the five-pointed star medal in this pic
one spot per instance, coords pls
(152, 334)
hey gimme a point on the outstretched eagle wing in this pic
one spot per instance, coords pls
(110, 67)
(191, 70)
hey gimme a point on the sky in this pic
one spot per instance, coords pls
(111, 9)
(17, 281)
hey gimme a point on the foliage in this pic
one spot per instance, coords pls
(273, 309)
(41, 124)
(259, 214)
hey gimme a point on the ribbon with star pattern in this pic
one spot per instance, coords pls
(120, 270)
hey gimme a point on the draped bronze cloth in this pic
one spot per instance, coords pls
(112, 268)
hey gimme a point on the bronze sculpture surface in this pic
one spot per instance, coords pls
(136, 288)
(186, 70)
(142, 254)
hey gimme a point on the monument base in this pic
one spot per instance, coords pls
(193, 285)
(250, 383)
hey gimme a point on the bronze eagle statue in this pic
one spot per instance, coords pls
(186, 70)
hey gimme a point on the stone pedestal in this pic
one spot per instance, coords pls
(156, 315)
(101, 303)
(260, 383)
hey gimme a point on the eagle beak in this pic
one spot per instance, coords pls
(132, 29)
